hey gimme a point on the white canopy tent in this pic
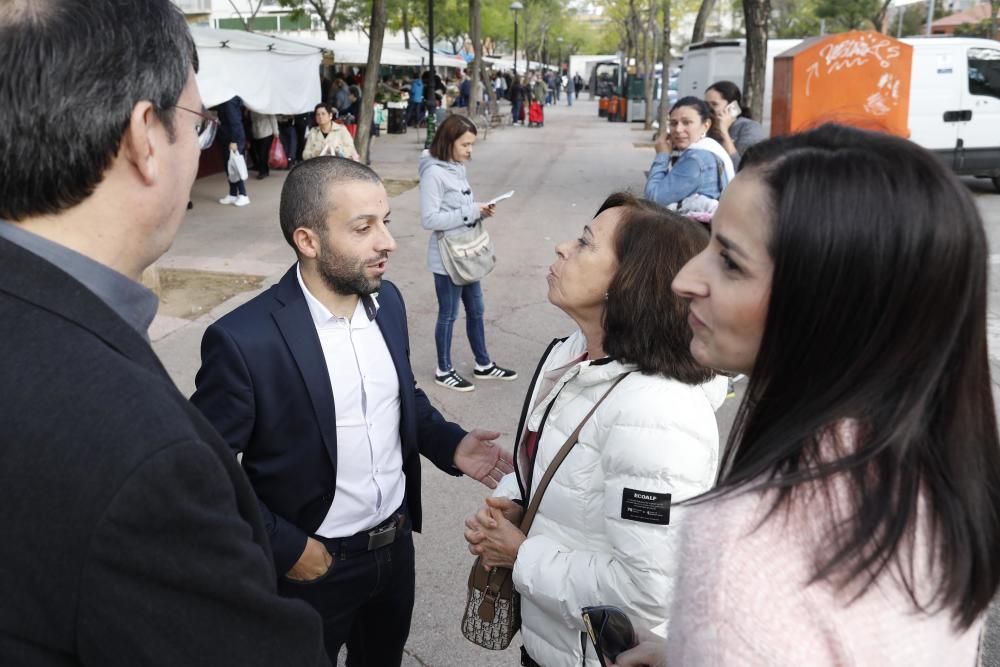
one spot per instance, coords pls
(523, 66)
(356, 53)
(271, 75)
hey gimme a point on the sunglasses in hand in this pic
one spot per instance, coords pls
(610, 631)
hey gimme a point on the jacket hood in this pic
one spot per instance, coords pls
(427, 161)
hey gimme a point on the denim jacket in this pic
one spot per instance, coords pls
(696, 172)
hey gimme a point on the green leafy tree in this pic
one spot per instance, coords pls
(843, 15)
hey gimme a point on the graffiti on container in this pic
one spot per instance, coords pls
(885, 96)
(851, 53)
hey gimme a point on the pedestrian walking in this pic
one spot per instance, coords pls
(447, 208)
(839, 532)
(131, 536)
(516, 92)
(264, 128)
(338, 484)
(569, 90)
(415, 105)
(577, 84)
(232, 144)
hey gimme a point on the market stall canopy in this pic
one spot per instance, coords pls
(503, 63)
(355, 53)
(271, 75)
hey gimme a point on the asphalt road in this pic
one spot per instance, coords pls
(560, 174)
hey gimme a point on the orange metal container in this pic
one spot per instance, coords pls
(858, 78)
(602, 107)
(613, 107)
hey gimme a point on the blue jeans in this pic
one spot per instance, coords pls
(449, 296)
(515, 111)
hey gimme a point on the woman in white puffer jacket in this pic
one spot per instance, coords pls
(605, 532)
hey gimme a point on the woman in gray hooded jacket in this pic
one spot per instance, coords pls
(447, 207)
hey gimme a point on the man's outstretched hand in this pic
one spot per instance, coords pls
(482, 459)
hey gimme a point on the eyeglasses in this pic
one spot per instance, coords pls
(205, 130)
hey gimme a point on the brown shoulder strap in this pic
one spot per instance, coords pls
(536, 498)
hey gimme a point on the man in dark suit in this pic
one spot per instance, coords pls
(311, 382)
(131, 536)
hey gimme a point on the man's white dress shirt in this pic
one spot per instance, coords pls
(370, 480)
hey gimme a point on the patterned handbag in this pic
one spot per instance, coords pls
(493, 608)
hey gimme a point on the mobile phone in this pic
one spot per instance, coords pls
(609, 630)
(733, 109)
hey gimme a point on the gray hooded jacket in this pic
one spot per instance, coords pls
(446, 204)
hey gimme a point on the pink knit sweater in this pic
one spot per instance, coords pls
(742, 599)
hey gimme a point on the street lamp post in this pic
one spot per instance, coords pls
(430, 96)
(515, 7)
(559, 42)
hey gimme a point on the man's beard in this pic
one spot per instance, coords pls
(346, 279)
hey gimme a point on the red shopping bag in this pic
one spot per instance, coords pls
(276, 158)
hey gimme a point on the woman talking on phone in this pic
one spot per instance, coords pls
(737, 129)
(692, 181)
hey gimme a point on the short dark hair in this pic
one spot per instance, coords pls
(330, 109)
(730, 92)
(305, 195)
(877, 314)
(453, 127)
(73, 72)
(704, 112)
(645, 323)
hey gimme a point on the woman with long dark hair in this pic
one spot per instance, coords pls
(738, 131)
(857, 520)
(691, 169)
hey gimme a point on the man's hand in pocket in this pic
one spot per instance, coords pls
(314, 562)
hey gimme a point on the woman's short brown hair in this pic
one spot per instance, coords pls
(645, 323)
(448, 132)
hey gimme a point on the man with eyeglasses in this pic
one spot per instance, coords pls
(131, 535)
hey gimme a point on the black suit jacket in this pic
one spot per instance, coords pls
(265, 386)
(130, 535)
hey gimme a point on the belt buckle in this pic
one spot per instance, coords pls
(382, 537)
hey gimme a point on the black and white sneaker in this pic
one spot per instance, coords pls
(494, 372)
(453, 380)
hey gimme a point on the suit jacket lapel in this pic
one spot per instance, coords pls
(31, 278)
(392, 333)
(296, 326)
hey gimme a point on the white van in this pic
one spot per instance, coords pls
(954, 94)
(722, 60)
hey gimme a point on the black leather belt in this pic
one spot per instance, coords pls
(378, 537)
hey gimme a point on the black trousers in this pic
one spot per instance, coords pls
(261, 147)
(366, 601)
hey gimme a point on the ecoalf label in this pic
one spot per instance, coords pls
(646, 506)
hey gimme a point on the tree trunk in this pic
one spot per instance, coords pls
(700, 21)
(370, 85)
(406, 28)
(328, 17)
(880, 19)
(756, 14)
(664, 114)
(650, 66)
(994, 18)
(481, 78)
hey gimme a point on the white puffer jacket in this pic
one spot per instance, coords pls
(650, 435)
